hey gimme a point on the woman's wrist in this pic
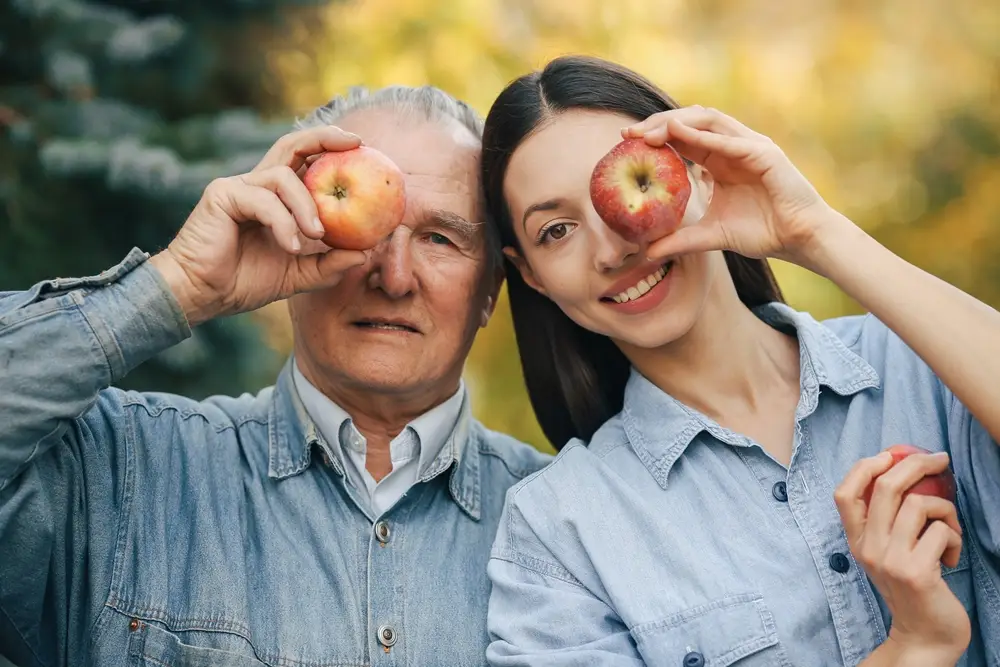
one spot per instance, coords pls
(908, 653)
(832, 246)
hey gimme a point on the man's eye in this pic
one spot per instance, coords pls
(439, 239)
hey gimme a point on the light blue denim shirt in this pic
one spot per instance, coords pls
(672, 542)
(149, 529)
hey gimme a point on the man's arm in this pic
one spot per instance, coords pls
(64, 340)
(62, 446)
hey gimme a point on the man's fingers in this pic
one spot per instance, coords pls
(849, 495)
(293, 192)
(292, 150)
(250, 203)
(326, 269)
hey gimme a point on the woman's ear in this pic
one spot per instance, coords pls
(703, 182)
(524, 269)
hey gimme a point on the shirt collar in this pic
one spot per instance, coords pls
(293, 435)
(431, 428)
(659, 427)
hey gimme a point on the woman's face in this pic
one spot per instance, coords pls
(601, 281)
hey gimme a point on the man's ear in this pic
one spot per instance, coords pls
(524, 269)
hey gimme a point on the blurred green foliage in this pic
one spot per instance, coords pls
(113, 118)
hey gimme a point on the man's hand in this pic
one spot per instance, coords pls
(253, 238)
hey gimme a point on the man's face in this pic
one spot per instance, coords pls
(404, 322)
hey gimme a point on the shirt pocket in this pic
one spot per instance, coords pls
(734, 630)
(152, 646)
(959, 578)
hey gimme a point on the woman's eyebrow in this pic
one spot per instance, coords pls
(547, 205)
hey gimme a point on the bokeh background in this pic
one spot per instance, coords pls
(114, 115)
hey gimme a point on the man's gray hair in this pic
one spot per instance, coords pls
(426, 102)
(422, 102)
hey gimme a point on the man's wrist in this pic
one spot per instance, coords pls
(196, 308)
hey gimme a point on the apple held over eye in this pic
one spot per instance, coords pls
(360, 196)
(941, 484)
(640, 191)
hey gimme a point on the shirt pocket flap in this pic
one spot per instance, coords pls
(151, 646)
(736, 629)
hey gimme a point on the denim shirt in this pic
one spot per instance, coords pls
(149, 529)
(674, 542)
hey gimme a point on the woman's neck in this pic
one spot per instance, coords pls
(731, 366)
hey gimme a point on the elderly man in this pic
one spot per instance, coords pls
(343, 517)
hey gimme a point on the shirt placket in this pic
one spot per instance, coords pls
(855, 613)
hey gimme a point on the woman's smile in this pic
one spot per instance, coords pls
(641, 291)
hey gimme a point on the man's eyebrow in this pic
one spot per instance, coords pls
(468, 231)
(547, 205)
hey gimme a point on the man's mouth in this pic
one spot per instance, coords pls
(641, 286)
(387, 325)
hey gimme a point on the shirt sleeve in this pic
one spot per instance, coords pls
(541, 616)
(976, 460)
(63, 447)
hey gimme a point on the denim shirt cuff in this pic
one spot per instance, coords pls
(132, 311)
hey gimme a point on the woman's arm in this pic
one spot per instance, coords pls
(956, 335)
(762, 206)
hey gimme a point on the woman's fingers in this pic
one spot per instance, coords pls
(698, 117)
(699, 237)
(849, 495)
(939, 543)
(887, 494)
(917, 513)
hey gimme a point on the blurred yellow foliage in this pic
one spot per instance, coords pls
(889, 108)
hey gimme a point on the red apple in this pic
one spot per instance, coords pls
(640, 191)
(360, 196)
(941, 484)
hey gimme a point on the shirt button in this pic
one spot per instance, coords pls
(780, 492)
(839, 563)
(694, 659)
(382, 531)
(386, 635)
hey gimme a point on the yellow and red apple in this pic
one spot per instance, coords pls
(360, 196)
(640, 191)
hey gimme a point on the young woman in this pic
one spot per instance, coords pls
(709, 505)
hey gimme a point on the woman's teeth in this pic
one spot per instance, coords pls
(643, 286)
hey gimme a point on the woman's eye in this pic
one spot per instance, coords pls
(553, 232)
(439, 239)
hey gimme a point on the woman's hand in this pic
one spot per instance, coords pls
(901, 543)
(761, 205)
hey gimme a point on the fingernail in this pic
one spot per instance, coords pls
(296, 246)
(318, 226)
(940, 455)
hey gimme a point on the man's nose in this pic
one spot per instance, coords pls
(611, 251)
(392, 265)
